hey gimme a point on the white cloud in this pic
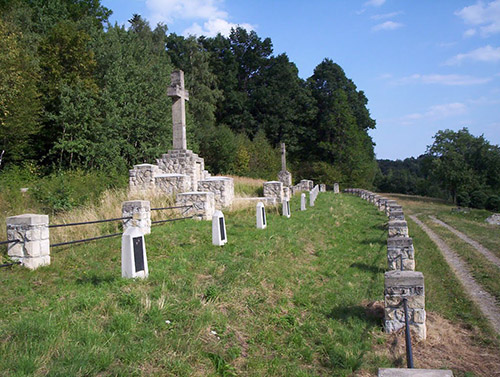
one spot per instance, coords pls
(214, 26)
(469, 33)
(388, 25)
(207, 12)
(487, 16)
(452, 80)
(374, 3)
(386, 15)
(436, 112)
(482, 54)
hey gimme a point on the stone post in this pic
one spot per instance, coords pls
(203, 204)
(274, 189)
(140, 211)
(409, 285)
(302, 202)
(336, 188)
(398, 228)
(179, 95)
(400, 249)
(322, 187)
(32, 232)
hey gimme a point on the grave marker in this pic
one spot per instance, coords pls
(286, 208)
(134, 260)
(219, 235)
(261, 216)
(302, 202)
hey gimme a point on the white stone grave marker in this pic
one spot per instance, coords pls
(286, 208)
(302, 202)
(261, 216)
(219, 235)
(134, 260)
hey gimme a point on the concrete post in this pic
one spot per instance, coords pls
(140, 211)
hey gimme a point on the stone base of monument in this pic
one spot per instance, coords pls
(203, 204)
(223, 189)
(396, 372)
(285, 177)
(171, 184)
(183, 162)
(142, 177)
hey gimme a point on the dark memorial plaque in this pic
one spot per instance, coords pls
(138, 254)
(288, 207)
(222, 232)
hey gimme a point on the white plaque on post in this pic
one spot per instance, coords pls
(302, 202)
(134, 261)
(219, 235)
(286, 208)
(261, 216)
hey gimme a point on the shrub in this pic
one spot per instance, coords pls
(463, 199)
(493, 203)
(478, 199)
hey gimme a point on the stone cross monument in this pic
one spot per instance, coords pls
(284, 175)
(179, 95)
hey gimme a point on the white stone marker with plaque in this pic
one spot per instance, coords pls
(302, 202)
(261, 216)
(286, 208)
(219, 235)
(134, 261)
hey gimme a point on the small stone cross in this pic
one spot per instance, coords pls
(179, 94)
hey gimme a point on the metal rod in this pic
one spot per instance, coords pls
(161, 208)
(91, 222)
(85, 240)
(409, 355)
(9, 264)
(401, 261)
(168, 220)
(9, 241)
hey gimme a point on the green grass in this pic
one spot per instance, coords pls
(287, 300)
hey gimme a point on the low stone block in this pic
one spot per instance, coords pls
(203, 204)
(223, 189)
(273, 189)
(396, 372)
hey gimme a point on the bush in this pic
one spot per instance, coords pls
(493, 203)
(478, 199)
(463, 199)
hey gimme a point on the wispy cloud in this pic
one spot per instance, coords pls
(450, 80)
(470, 33)
(482, 54)
(374, 3)
(388, 25)
(485, 16)
(385, 16)
(207, 12)
(436, 112)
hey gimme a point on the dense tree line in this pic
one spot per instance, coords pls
(458, 166)
(78, 92)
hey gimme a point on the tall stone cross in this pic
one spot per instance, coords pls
(179, 95)
(283, 157)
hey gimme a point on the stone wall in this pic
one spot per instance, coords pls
(273, 189)
(223, 189)
(203, 204)
(183, 162)
(171, 184)
(400, 249)
(142, 177)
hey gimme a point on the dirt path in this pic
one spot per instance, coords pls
(483, 299)
(488, 254)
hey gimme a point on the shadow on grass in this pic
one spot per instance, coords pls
(372, 313)
(367, 267)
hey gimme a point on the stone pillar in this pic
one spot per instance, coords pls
(179, 95)
(336, 188)
(302, 202)
(273, 189)
(397, 248)
(322, 187)
(398, 228)
(32, 232)
(409, 285)
(140, 211)
(396, 212)
(142, 177)
(203, 204)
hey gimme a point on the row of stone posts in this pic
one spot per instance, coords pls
(401, 281)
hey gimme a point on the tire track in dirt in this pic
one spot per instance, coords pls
(476, 245)
(483, 299)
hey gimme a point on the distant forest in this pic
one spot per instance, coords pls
(80, 94)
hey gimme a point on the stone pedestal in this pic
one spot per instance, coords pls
(32, 232)
(203, 204)
(285, 177)
(142, 177)
(306, 184)
(336, 189)
(171, 184)
(223, 189)
(397, 248)
(409, 285)
(183, 162)
(322, 187)
(398, 228)
(140, 211)
(273, 189)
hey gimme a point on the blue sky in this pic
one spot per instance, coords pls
(424, 65)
